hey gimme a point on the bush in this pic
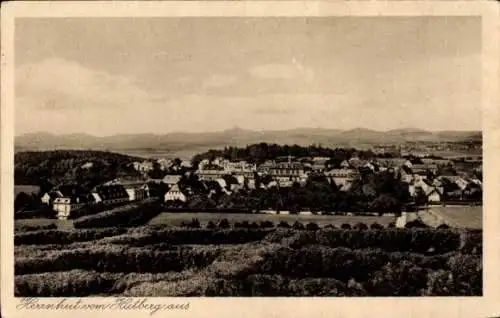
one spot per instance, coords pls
(253, 225)
(360, 226)
(443, 227)
(266, 224)
(312, 226)
(125, 216)
(224, 224)
(391, 225)
(195, 223)
(284, 224)
(211, 225)
(376, 226)
(298, 226)
(345, 226)
(401, 279)
(329, 226)
(415, 224)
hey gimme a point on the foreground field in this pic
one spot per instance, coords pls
(176, 219)
(157, 260)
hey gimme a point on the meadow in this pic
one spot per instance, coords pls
(238, 258)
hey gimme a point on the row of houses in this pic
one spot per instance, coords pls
(65, 199)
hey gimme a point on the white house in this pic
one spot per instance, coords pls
(64, 206)
(87, 165)
(175, 194)
(49, 197)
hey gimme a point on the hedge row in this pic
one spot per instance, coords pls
(117, 259)
(428, 241)
(341, 263)
(144, 236)
(277, 285)
(75, 283)
(19, 227)
(124, 216)
(64, 237)
(402, 279)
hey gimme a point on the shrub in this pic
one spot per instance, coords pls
(266, 224)
(360, 226)
(391, 225)
(345, 226)
(401, 279)
(312, 226)
(253, 225)
(195, 223)
(329, 226)
(443, 227)
(224, 224)
(298, 226)
(211, 225)
(376, 226)
(284, 224)
(415, 224)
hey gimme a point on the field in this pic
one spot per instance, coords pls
(163, 260)
(176, 219)
(460, 216)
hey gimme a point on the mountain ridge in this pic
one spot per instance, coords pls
(239, 137)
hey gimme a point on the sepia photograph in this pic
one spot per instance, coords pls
(248, 156)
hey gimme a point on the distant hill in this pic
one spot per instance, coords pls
(191, 143)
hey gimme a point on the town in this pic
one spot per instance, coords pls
(347, 182)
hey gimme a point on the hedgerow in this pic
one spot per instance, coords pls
(64, 237)
(33, 227)
(117, 259)
(75, 283)
(125, 216)
(190, 236)
(415, 240)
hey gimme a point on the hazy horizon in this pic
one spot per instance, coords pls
(244, 129)
(116, 76)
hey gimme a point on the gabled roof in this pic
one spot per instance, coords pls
(172, 179)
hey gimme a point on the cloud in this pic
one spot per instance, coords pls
(291, 71)
(219, 81)
(56, 84)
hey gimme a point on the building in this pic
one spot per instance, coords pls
(394, 162)
(67, 204)
(113, 193)
(144, 166)
(210, 175)
(175, 194)
(171, 179)
(342, 178)
(424, 168)
(292, 170)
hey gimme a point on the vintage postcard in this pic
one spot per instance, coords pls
(250, 158)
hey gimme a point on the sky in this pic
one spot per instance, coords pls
(106, 76)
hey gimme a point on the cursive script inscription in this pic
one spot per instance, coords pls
(141, 304)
